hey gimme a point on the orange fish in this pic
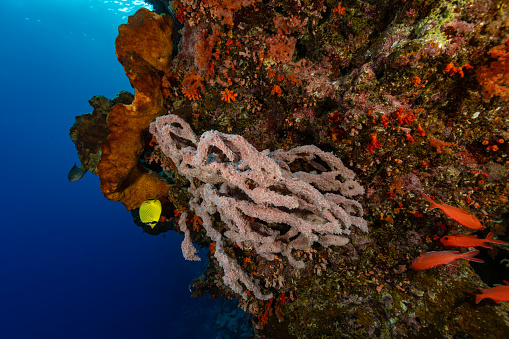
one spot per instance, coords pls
(457, 214)
(434, 259)
(460, 240)
(498, 293)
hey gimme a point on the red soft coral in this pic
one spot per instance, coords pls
(495, 78)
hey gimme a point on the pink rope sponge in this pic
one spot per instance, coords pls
(252, 189)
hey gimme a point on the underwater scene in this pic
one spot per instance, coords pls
(271, 169)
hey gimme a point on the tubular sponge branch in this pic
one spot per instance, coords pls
(251, 189)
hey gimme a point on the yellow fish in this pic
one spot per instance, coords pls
(150, 212)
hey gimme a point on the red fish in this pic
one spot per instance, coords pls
(457, 214)
(434, 259)
(498, 293)
(460, 240)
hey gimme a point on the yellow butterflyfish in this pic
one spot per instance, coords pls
(150, 212)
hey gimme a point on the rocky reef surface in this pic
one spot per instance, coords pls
(411, 95)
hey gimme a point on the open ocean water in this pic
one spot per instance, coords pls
(73, 264)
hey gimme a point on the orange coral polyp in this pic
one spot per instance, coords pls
(404, 117)
(420, 130)
(340, 10)
(451, 69)
(193, 84)
(441, 146)
(374, 143)
(228, 95)
(191, 93)
(276, 89)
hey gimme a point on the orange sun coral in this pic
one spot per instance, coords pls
(339, 10)
(276, 89)
(228, 95)
(193, 85)
(451, 69)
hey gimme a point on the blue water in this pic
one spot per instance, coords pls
(73, 264)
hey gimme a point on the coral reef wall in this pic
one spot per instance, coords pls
(410, 94)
